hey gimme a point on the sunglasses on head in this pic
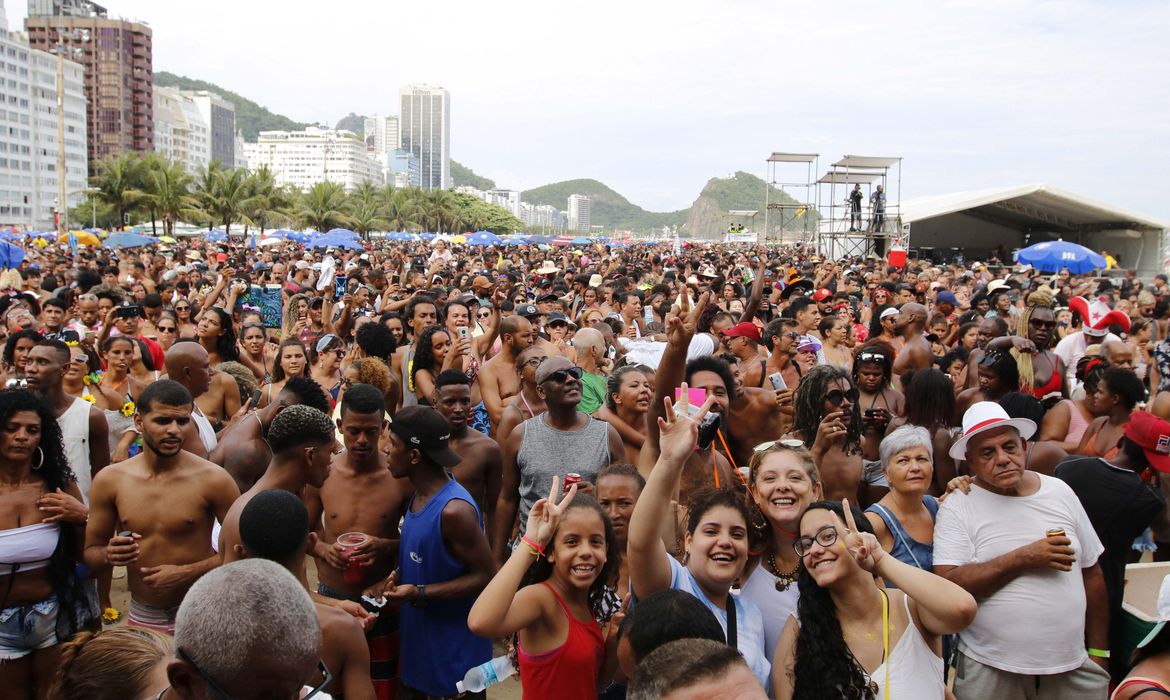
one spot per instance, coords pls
(872, 357)
(562, 375)
(838, 397)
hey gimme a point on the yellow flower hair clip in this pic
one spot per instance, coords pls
(128, 409)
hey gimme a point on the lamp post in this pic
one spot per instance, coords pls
(60, 49)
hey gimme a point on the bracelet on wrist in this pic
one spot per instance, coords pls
(1099, 653)
(533, 547)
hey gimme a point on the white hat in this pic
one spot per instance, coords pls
(595, 280)
(892, 311)
(547, 268)
(984, 416)
(1163, 613)
(996, 285)
(708, 272)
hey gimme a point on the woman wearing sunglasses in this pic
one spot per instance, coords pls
(183, 313)
(827, 417)
(855, 639)
(168, 330)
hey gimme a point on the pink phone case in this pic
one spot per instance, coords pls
(696, 397)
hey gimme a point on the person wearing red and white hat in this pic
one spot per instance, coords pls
(1096, 319)
(1022, 544)
(1120, 504)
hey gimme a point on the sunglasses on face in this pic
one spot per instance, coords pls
(562, 375)
(838, 397)
(81, 358)
(825, 537)
(166, 329)
(182, 308)
(484, 314)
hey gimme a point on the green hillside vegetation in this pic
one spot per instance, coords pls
(353, 122)
(707, 217)
(251, 118)
(463, 175)
(607, 208)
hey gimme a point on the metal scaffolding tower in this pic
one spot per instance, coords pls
(860, 211)
(792, 218)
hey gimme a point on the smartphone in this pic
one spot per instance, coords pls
(132, 311)
(870, 412)
(395, 279)
(463, 333)
(695, 397)
(255, 399)
(777, 380)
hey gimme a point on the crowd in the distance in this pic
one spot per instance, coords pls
(647, 472)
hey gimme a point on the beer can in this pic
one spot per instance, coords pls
(1054, 532)
(572, 478)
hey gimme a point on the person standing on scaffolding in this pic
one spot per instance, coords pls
(854, 200)
(877, 204)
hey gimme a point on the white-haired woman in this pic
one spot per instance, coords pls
(903, 519)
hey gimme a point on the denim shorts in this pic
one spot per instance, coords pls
(26, 628)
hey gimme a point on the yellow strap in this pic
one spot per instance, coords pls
(886, 640)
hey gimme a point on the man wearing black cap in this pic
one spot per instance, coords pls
(443, 560)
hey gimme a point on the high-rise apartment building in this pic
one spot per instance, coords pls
(305, 158)
(382, 134)
(28, 133)
(181, 134)
(117, 57)
(425, 126)
(220, 116)
(579, 213)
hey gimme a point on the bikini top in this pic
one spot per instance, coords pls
(28, 547)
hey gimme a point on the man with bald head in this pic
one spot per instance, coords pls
(915, 353)
(590, 347)
(498, 379)
(1117, 353)
(549, 445)
(189, 364)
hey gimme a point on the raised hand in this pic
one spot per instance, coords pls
(679, 432)
(546, 513)
(862, 546)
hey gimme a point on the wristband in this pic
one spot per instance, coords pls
(537, 550)
(1099, 653)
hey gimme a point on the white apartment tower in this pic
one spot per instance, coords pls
(382, 134)
(425, 127)
(305, 158)
(579, 213)
(28, 133)
(180, 133)
(220, 117)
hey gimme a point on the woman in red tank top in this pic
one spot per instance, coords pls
(553, 604)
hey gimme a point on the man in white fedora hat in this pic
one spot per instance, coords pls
(1022, 544)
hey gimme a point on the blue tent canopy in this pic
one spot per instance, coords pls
(342, 232)
(127, 239)
(330, 240)
(581, 240)
(516, 240)
(427, 236)
(543, 240)
(402, 236)
(11, 255)
(1051, 256)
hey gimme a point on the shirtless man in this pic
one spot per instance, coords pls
(479, 472)
(420, 313)
(275, 526)
(915, 353)
(360, 496)
(167, 499)
(780, 338)
(190, 365)
(527, 402)
(754, 416)
(242, 449)
(498, 379)
(303, 441)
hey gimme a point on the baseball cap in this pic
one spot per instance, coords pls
(481, 282)
(746, 329)
(1152, 434)
(892, 311)
(556, 317)
(821, 294)
(424, 429)
(527, 310)
(946, 297)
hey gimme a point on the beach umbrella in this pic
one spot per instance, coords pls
(1051, 256)
(402, 236)
(167, 239)
(83, 238)
(581, 240)
(343, 232)
(562, 240)
(515, 240)
(484, 238)
(541, 240)
(336, 240)
(427, 236)
(271, 241)
(216, 236)
(125, 239)
(11, 254)
(460, 239)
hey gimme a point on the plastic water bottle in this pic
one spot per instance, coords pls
(486, 675)
(648, 313)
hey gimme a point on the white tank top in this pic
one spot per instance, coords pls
(915, 670)
(206, 432)
(74, 424)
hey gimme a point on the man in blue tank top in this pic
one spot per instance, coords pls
(443, 559)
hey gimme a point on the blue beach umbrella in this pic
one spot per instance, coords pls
(1051, 256)
(127, 239)
(482, 238)
(11, 255)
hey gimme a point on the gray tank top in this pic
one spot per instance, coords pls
(408, 396)
(546, 452)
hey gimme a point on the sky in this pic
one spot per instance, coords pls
(654, 98)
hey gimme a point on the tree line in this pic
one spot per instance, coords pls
(135, 188)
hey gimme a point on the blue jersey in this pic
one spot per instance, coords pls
(436, 648)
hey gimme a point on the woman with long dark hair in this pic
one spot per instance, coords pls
(627, 401)
(999, 374)
(854, 639)
(291, 361)
(42, 531)
(435, 354)
(827, 418)
(217, 335)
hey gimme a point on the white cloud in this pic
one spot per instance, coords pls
(655, 97)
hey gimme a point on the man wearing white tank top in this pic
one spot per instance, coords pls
(83, 426)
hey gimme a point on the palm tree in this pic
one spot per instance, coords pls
(365, 209)
(167, 194)
(323, 207)
(116, 182)
(266, 203)
(222, 194)
(400, 210)
(439, 210)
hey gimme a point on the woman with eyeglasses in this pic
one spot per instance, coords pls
(827, 418)
(325, 368)
(851, 638)
(42, 527)
(291, 361)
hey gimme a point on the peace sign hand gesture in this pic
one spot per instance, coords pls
(862, 546)
(546, 513)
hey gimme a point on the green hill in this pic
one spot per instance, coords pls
(352, 122)
(463, 175)
(607, 208)
(251, 118)
(707, 217)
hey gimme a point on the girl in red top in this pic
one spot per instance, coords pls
(560, 645)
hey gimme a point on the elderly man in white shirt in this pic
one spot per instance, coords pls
(1022, 544)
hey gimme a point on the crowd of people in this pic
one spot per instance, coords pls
(654, 471)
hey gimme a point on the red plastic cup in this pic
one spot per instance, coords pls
(347, 542)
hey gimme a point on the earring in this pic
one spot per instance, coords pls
(686, 557)
(40, 463)
(763, 523)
